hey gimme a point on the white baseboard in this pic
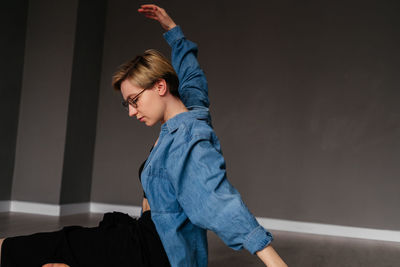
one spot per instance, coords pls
(66, 209)
(4, 206)
(49, 209)
(35, 208)
(270, 224)
(329, 229)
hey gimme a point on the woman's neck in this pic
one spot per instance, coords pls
(174, 107)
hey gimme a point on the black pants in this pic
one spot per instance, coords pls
(119, 240)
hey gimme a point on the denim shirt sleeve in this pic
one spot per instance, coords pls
(208, 199)
(193, 88)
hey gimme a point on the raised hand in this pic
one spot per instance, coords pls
(159, 14)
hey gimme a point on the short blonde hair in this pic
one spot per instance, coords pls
(145, 70)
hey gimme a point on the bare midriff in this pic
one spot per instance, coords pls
(145, 205)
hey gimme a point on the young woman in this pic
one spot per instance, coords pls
(186, 191)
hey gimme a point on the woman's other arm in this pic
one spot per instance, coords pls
(193, 87)
(270, 257)
(197, 173)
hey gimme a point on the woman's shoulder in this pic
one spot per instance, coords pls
(196, 130)
(190, 125)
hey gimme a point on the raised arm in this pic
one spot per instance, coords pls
(193, 87)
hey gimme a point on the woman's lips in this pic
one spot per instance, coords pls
(141, 119)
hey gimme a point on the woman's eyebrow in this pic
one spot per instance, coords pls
(128, 96)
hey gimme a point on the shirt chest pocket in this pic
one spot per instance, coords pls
(160, 192)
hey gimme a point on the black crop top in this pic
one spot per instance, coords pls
(141, 169)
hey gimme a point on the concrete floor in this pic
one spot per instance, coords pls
(296, 249)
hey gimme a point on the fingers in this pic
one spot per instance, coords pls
(144, 11)
(149, 11)
(157, 13)
(150, 15)
(149, 6)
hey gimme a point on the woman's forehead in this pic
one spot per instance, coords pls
(129, 88)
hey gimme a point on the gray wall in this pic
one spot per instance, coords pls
(44, 101)
(13, 25)
(304, 98)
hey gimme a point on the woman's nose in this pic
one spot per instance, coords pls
(132, 111)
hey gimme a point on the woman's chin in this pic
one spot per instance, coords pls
(149, 123)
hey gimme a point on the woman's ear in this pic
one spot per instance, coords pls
(161, 87)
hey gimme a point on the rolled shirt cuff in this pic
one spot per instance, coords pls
(258, 239)
(173, 35)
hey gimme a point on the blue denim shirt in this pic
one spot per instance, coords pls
(184, 177)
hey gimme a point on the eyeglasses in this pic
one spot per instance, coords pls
(132, 101)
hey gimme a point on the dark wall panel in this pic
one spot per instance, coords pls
(83, 102)
(13, 15)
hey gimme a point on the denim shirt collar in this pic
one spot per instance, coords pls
(197, 112)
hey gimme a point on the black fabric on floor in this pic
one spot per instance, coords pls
(118, 240)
